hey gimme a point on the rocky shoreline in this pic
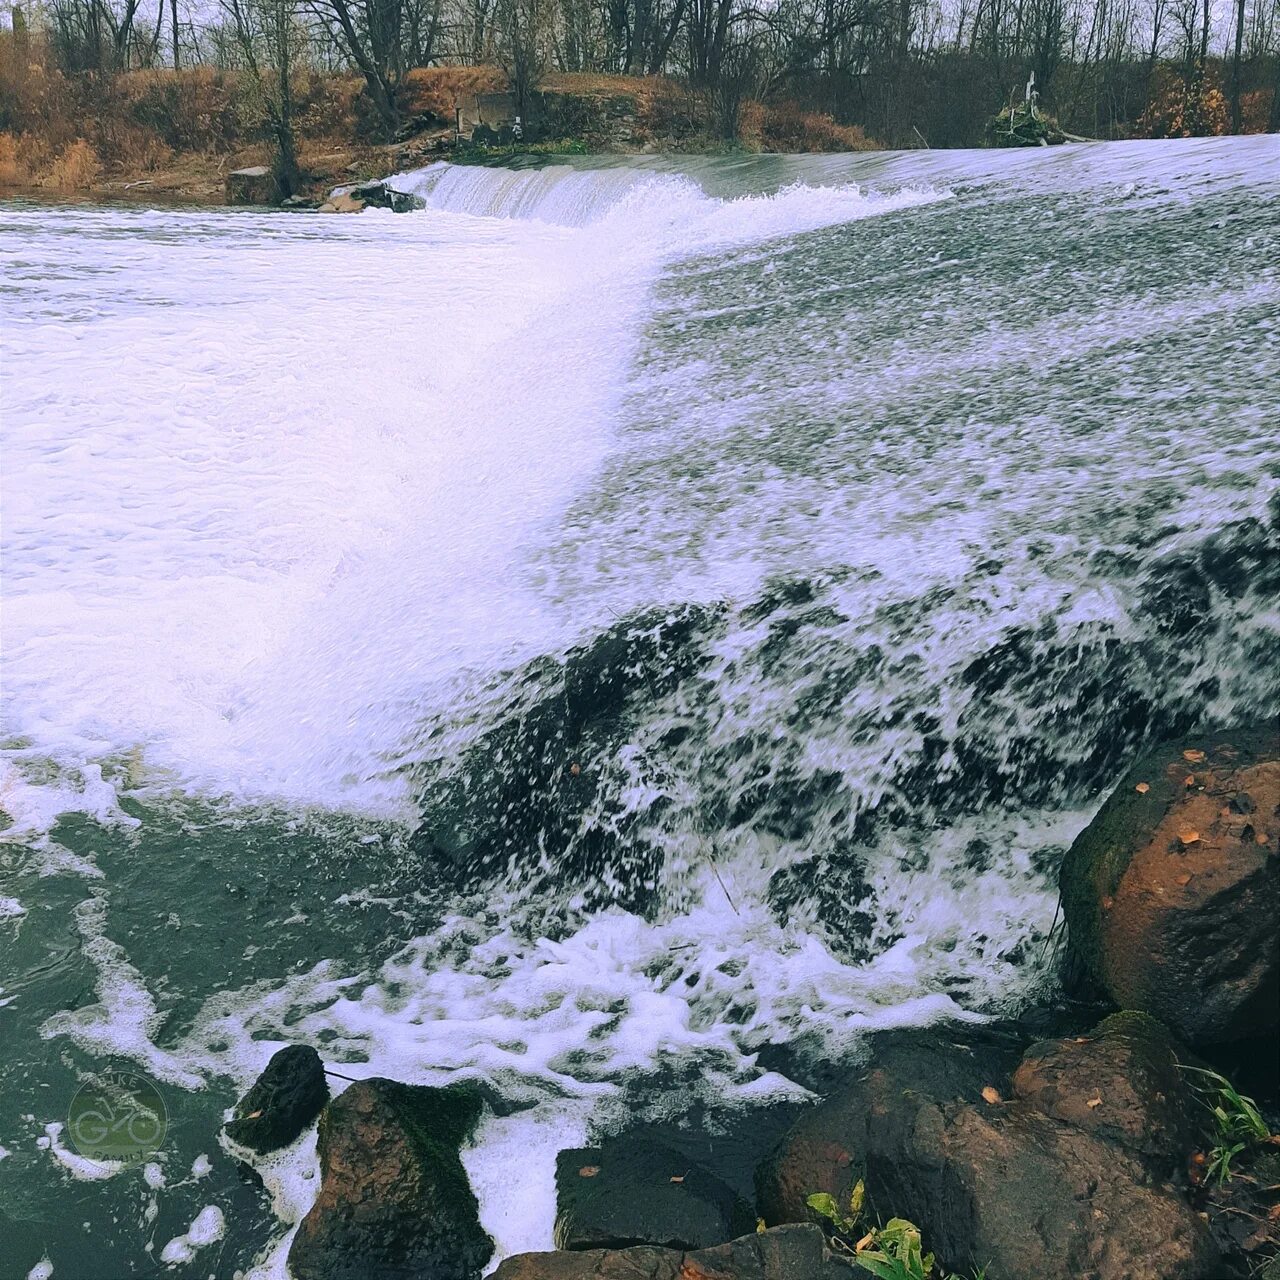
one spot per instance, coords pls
(1065, 1146)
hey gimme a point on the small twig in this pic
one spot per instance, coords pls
(715, 867)
(349, 1079)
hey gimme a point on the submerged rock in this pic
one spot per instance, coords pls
(394, 1199)
(283, 1101)
(636, 1191)
(796, 1252)
(991, 1183)
(542, 793)
(1172, 893)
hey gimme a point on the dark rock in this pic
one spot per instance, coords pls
(1172, 894)
(636, 1191)
(256, 185)
(796, 1252)
(991, 1183)
(543, 792)
(1120, 1081)
(423, 121)
(283, 1101)
(394, 1199)
(380, 196)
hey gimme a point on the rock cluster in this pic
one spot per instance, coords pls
(1072, 1157)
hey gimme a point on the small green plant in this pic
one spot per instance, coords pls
(891, 1252)
(1237, 1122)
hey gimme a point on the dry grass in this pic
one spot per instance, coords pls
(75, 169)
(784, 126)
(439, 89)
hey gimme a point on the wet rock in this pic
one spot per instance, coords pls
(256, 185)
(283, 1101)
(550, 790)
(394, 1199)
(342, 202)
(636, 1191)
(1172, 894)
(1121, 1082)
(991, 1183)
(796, 1252)
(380, 196)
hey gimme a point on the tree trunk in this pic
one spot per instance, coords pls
(1235, 68)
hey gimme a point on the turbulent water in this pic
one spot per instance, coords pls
(590, 633)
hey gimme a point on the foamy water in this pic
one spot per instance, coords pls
(301, 515)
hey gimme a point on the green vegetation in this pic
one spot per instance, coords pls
(891, 1252)
(1237, 1122)
(1020, 126)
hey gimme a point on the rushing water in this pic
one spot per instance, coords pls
(586, 634)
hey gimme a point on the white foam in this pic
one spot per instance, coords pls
(208, 1228)
(11, 909)
(125, 1018)
(80, 1167)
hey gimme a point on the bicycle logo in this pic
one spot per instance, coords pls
(118, 1115)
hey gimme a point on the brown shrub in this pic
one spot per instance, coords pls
(785, 126)
(1176, 112)
(12, 172)
(75, 169)
(439, 89)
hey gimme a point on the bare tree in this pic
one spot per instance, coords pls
(270, 42)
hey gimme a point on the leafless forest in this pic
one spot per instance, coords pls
(906, 72)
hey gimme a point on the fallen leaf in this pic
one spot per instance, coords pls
(1182, 879)
(677, 1178)
(1108, 903)
(575, 768)
(866, 1242)
(1188, 836)
(1190, 780)
(1194, 756)
(253, 1115)
(761, 1228)
(1093, 1102)
(990, 1095)
(1142, 788)
(588, 1171)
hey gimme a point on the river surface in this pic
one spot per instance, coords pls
(918, 489)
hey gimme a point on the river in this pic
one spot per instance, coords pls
(915, 491)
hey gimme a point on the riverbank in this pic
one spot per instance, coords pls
(174, 136)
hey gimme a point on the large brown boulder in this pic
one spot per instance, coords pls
(786, 1253)
(991, 1183)
(1172, 893)
(1121, 1082)
(394, 1199)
